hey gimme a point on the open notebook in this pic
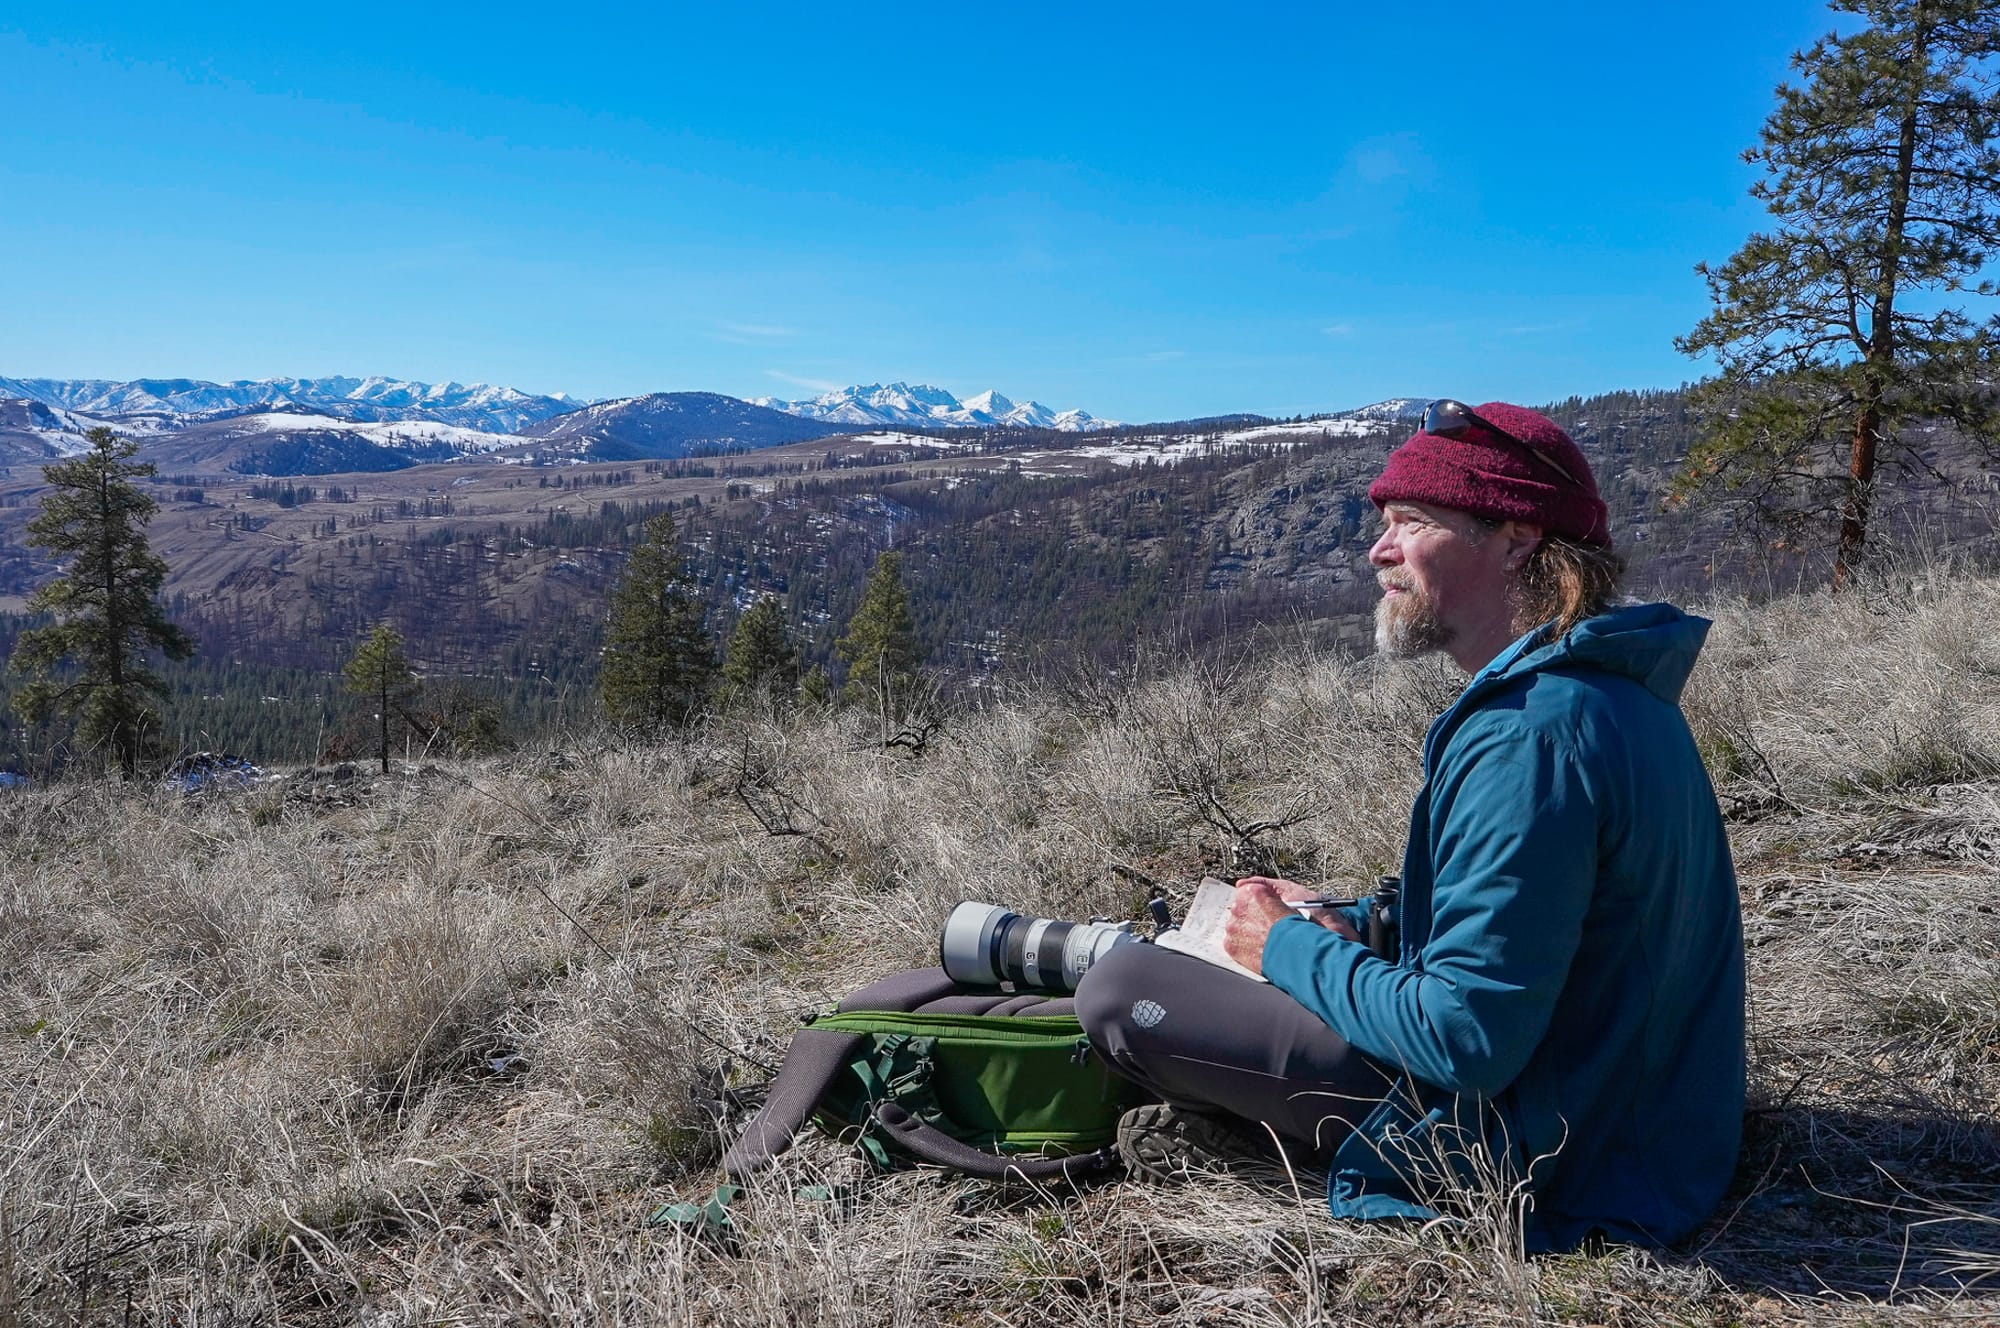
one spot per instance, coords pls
(1200, 934)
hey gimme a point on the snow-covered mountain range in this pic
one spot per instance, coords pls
(150, 405)
(171, 402)
(878, 405)
(666, 424)
(302, 426)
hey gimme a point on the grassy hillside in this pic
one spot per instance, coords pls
(428, 1048)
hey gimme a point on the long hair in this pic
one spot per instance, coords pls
(1567, 581)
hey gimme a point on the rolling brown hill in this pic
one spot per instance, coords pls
(1020, 547)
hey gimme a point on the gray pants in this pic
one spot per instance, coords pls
(1201, 1036)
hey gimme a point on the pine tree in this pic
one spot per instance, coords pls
(108, 618)
(815, 688)
(1838, 326)
(880, 646)
(380, 671)
(762, 662)
(658, 662)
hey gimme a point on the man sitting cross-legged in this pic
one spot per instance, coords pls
(1566, 1010)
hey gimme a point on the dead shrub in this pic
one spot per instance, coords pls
(430, 977)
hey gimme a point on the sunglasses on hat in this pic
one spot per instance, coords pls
(1453, 419)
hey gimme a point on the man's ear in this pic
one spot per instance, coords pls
(1523, 538)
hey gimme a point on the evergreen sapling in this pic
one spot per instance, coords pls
(880, 645)
(381, 672)
(658, 663)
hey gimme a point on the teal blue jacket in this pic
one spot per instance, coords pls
(1567, 1009)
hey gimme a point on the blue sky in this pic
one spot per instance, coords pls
(1150, 212)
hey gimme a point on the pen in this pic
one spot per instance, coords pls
(1324, 903)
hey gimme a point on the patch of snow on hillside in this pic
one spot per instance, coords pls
(67, 436)
(1168, 450)
(400, 433)
(65, 443)
(893, 439)
(1332, 427)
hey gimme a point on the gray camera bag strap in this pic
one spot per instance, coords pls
(814, 1058)
(929, 1144)
(811, 1062)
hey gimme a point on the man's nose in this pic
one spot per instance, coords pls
(1385, 553)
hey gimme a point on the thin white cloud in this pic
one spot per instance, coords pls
(1167, 355)
(815, 384)
(1379, 176)
(1388, 158)
(1337, 330)
(744, 334)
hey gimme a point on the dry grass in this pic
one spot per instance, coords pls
(431, 1054)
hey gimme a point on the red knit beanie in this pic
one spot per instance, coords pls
(1492, 477)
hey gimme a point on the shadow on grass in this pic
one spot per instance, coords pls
(1861, 1204)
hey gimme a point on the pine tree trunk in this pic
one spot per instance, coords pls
(123, 740)
(1882, 330)
(1860, 492)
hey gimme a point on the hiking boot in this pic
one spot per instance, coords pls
(1162, 1142)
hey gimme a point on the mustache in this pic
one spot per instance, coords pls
(1395, 579)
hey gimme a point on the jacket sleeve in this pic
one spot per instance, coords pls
(1513, 843)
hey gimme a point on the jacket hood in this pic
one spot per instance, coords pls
(1655, 644)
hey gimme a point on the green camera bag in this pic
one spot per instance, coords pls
(917, 1068)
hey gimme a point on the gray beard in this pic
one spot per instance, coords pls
(1408, 628)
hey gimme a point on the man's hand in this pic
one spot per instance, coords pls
(1291, 892)
(1257, 908)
